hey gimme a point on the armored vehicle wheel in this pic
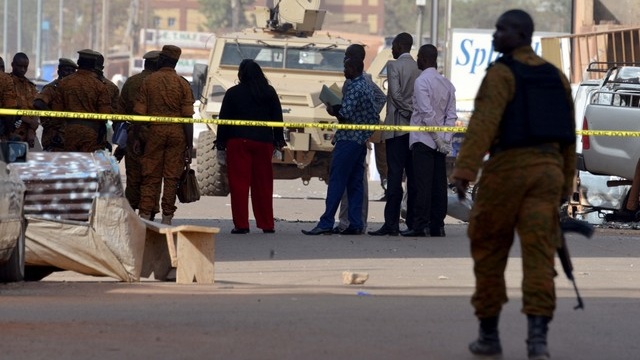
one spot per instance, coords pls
(13, 269)
(212, 177)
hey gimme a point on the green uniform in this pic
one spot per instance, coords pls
(520, 190)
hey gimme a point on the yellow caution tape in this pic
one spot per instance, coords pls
(322, 126)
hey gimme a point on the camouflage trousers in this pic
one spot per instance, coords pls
(52, 134)
(163, 160)
(525, 201)
(81, 138)
(133, 171)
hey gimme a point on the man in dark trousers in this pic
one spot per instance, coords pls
(523, 116)
(401, 74)
(434, 104)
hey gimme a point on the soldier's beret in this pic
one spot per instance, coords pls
(88, 53)
(171, 51)
(67, 62)
(151, 55)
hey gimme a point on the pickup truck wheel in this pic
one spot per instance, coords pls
(212, 177)
(13, 269)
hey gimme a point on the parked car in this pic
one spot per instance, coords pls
(12, 224)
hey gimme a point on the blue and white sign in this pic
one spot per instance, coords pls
(471, 53)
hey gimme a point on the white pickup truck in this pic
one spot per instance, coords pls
(614, 106)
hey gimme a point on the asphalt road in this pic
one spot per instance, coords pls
(280, 296)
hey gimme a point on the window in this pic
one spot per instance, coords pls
(307, 58)
(171, 22)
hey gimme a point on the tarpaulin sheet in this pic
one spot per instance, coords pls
(110, 244)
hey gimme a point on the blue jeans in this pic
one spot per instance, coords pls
(346, 172)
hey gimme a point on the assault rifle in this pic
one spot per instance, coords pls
(568, 224)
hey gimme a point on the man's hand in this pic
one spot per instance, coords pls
(187, 155)
(443, 146)
(461, 187)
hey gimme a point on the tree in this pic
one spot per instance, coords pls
(223, 14)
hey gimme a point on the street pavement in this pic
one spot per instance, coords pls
(281, 296)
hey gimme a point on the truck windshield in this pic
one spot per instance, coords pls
(280, 57)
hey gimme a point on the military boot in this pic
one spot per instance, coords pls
(537, 339)
(488, 342)
(166, 219)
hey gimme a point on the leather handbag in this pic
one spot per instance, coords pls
(188, 188)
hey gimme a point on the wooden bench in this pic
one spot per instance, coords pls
(193, 256)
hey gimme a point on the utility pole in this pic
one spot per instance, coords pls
(420, 4)
(4, 30)
(60, 26)
(38, 49)
(434, 23)
(447, 42)
(19, 16)
(105, 28)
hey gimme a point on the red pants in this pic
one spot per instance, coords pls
(249, 166)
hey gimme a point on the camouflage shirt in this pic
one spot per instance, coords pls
(496, 91)
(82, 91)
(8, 98)
(130, 92)
(164, 93)
(26, 93)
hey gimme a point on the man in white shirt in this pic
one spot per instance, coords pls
(434, 104)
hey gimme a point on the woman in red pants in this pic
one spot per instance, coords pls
(249, 148)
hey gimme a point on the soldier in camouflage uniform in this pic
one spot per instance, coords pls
(83, 92)
(114, 94)
(133, 150)
(24, 128)
(520, 189)
(8, 100)
(167, 145)
(53, 128)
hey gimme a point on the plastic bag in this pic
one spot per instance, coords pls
(188, 189)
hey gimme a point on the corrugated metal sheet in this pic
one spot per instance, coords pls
(62, 185)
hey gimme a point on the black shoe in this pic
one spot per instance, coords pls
(437, 232)
(351, 231)
(336, 230)
(384, 231)
(488, 342)
(239, 231)
(268, 231)
(317, 231)
(413, 233)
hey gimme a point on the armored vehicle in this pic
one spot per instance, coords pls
(297, 60)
